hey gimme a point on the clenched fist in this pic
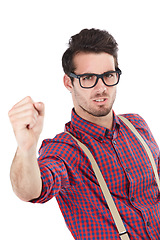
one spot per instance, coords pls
(27, 121)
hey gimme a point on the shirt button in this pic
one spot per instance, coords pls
(100, 138)
(148, 223)
(127, 170)
(114, 142)
(132, 199)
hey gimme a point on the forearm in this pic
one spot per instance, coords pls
(25, 175)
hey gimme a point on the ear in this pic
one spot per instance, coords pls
(67, 82)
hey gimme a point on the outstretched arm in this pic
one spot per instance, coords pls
(27, 121)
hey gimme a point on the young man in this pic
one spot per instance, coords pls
(64, 171)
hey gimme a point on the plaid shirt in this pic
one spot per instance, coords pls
(67, 174)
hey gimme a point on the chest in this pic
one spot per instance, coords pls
(122, 161)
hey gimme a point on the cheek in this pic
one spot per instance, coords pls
(114, 95)
(113, 91)
(81, 96)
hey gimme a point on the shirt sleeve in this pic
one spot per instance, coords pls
(53, 173)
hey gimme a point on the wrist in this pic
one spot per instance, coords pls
(26, 153)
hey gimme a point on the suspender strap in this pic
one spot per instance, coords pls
(133, 129)
(112, 207)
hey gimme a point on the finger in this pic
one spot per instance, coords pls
(20, 105)
(21, 109)
(32, 113)
(23, 101)
(23, 119)
(39, 106)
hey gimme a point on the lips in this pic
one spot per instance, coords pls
(100, 100)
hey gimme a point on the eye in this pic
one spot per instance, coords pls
(109, 75)
(87, 77)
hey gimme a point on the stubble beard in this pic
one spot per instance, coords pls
(102, 111)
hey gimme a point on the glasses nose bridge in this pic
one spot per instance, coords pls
(100, 76)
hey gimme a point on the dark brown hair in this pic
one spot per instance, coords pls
(89, 40)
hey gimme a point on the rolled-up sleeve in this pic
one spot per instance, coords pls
(54, 174)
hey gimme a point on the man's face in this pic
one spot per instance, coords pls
(97, 101)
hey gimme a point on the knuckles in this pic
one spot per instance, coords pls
(25, 116)
(23, 111)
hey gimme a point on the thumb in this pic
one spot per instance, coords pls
(39, 106)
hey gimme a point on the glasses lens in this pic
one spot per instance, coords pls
(111, 78)
(88, 80)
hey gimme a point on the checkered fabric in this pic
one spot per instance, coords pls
(67, 174)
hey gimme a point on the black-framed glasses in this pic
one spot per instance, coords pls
(89, 80)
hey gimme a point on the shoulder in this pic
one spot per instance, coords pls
(140, 124)
(59, 138)
(62, 146)
(136, 120)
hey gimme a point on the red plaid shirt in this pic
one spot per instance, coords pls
(67, 174)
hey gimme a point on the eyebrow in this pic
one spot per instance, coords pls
(96, 73)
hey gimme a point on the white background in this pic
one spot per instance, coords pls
(33, 36)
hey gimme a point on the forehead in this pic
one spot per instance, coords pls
(93, 63)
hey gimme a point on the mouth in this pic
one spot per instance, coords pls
(100, 100)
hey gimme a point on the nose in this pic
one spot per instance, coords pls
(100, 86)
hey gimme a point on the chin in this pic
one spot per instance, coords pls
(100, 112)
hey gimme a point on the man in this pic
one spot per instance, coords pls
(64, 171)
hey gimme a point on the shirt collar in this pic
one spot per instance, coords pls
(94, 130)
